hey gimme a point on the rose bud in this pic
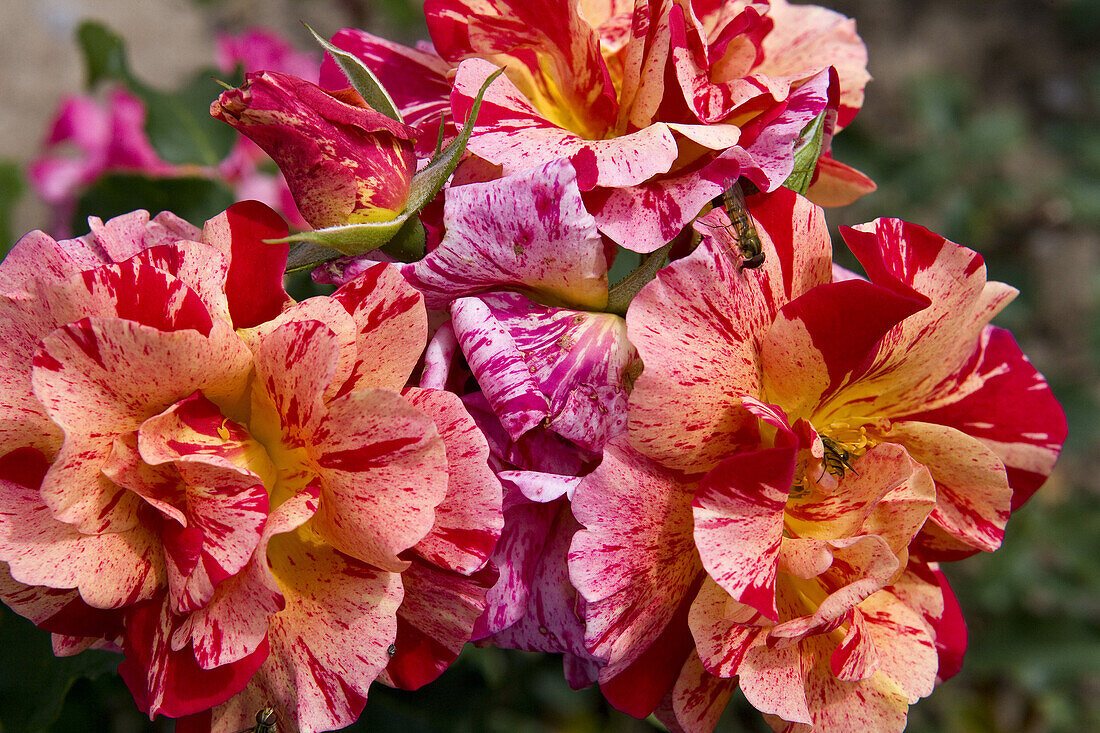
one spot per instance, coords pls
(345, 162)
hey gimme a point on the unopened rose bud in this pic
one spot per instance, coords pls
(345, 162)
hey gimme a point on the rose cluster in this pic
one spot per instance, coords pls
(739, 466)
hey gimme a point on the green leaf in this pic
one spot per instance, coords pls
(11, 189)
(355, 239)
(362, 79)
(427, 183)
(179, 124)
(807, 151)
(104, 54)
(34, 683)
(193, 198)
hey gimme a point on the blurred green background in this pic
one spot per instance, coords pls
(981, 124)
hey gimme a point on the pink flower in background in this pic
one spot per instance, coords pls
(235, 489)
(345, 162)
(657, 106)
(800, 449)
(90, 137)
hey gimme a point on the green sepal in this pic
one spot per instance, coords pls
(357, 239)
(807, 151)
(362, 79)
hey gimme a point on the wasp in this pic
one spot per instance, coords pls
(266, 721)
(836, 458)
(748, 239)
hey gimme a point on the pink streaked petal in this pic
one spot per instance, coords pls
(973, 498)
(714, 102)
(698, 698)
(199, 266)
(194, 430)
(876, 703)
(774, 682)
(435, 621)
(319, 672)
(890, 496)
(807, 37)
(59, 611)
(468, 522)
(510, 131)
(528, 231)
(383, 471)
(235, 622)
(645, 216)
(493, 355)
(98, 378)
(295, 364)
(861, 566)
(528, 528)
(168, 681)
(826, 338)
(391, 327)
(439, 358)
(855, 657)
(905, 649)
(120, 237)
(110, 570)
(926, 348)
(541, 487)
(739, 515)
(131, 290)
(547, 46)
(37, 257)
(635, 561)
(578, 360)
(639, 689)
(723, 629)
(540, 450)
(1009, 407)
(254, 284)
(228, 507)
(321, 310)
(773, 140)
(550, 620)
(698, 328)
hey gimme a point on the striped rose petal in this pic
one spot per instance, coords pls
(528, 231)
(635, 560)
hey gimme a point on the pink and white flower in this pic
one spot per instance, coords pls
(657, 105)
(237, 490)
(801, 450)
(90, 137)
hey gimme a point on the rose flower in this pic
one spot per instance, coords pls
(803, 445)
(234, 489)
(345, 162)
(657, 105)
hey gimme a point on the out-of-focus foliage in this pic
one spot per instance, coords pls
(11, 189)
